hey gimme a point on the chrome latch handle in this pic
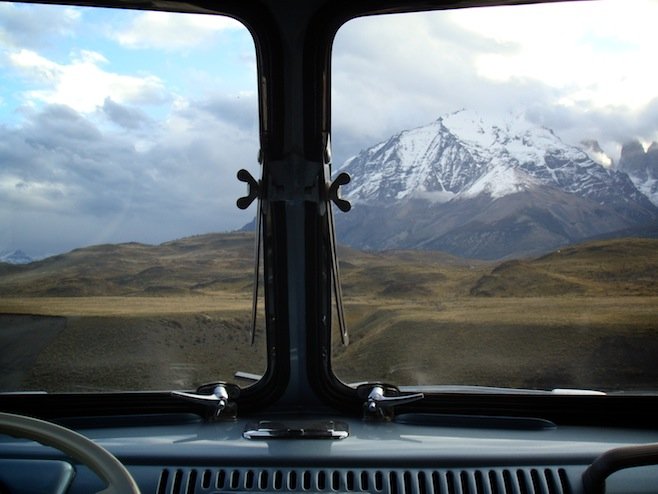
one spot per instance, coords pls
(218, 398)
(381, 400)
(377, 399)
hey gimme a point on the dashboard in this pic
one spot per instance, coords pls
(415, 454)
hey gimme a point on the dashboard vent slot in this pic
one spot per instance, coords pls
(538, 480)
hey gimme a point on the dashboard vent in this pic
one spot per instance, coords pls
(538, 480)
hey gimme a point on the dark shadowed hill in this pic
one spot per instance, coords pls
(198, 263)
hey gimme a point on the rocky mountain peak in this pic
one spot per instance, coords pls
(642, 167)
(633, 157)
(464, 154)
(486, 188)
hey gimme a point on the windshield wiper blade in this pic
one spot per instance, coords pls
(254, 192)
(338, 291)
(452, 388)
(344, 206)
(580, 392)
(247, 376)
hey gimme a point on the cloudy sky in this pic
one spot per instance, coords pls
(119, 126)
(130, 126)
(584, 69)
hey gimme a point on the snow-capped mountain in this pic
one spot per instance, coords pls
(593, 149)
(15, 257)
(484, 188)
(642, 167)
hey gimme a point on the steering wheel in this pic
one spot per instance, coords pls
(75, 445)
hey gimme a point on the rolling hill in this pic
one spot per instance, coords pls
(208, 263)
(197, 264)
(134, 316)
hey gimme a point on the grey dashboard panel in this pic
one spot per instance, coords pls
(22, 476)
(377, 458)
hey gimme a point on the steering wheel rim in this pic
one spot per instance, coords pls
(75, 445)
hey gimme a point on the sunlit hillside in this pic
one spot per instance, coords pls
(178, 314)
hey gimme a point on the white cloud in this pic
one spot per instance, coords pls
(105, 152)
(169, 31)
(82, 84)
(595, 53)
(40, 68)
(20, 27)
(180, 181)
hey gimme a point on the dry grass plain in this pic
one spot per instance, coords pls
(177, 315)
(585, 316)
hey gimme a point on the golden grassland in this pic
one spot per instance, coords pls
(116, 306)
(585, 316)
(582, 342)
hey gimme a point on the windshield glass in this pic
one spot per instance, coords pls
(504, 166)
(125, 264)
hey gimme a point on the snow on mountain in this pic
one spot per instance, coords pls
(500, 181)
(514, 138)
(648, 187)
(457, 152)
(642, 167)
(487, 188)
(15, 257)
(426, 159)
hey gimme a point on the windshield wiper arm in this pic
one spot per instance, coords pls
(254, 192)
(344, 206)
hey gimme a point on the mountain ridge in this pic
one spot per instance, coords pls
(444, 186)
(183, 266)
(15, 257)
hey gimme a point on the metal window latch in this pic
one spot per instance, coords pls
(381, 400)
(342, 204)
(253, 189)
(218, 398)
